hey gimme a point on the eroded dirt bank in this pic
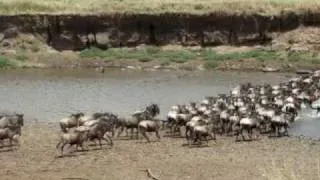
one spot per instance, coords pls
(65, 35)
(74, 32)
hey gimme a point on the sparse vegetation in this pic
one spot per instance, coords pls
(21, 57)
(269, 7)
(211, 64)
(165, 63)
(209, 55)
(261, 55)
(313, 58)
(4, 62)
(143, 55)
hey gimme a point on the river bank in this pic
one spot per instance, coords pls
(168, 58)
(244, 36)
(266, 158)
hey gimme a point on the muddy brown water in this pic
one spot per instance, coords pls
(48, 95)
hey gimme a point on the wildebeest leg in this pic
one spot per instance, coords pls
(273, 129)
(120, 131)
(2, 144)
(172, 128)
(278, 131)
(230, 127)
(100, 143)
(190, 140)
(267, 127)
(199, 139)
(137, 132)
(10, 144)
(237, 134)
(242, 134)
(81, 145)
(196, 137)
(213, 135)
(262, 128)
(177, 129)
(77, 147)
(56, 145)
(207, 140)
(95, 143)
(250, 133)
(61, 148)
(221, 128)
(257, 132)
(108, 139)
(145, 135)
(286, 131)
(112, 132)
(226, 127)
(131, 131)
(187, 129)
(127, 134)
(85, 146)
(72, 150)
(158, 135)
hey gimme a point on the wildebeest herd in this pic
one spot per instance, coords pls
(263, 109)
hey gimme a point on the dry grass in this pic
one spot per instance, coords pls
(268, 7)
(283, 158)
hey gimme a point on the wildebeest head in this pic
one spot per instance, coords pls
(98, 115)
(20, 119)
(77, 115)
(153, 109)
(18, 131)
(193, 104)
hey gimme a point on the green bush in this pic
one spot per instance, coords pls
(4, 62)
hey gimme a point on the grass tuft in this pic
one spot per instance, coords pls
(4, 62)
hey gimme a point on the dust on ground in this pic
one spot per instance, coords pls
(266, 158)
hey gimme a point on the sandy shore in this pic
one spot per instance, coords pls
(266, 158)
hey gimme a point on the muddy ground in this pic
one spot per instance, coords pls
(266, 158)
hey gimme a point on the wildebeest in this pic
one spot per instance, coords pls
(71, 121)
(98, 130)
(205, 131)
(149, 126)
(149, 113)
(127, 123)
(14, 120)
(76, 137)
(11, 133)
(248, 123)
(132, 123)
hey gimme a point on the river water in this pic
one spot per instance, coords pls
(48, 95)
